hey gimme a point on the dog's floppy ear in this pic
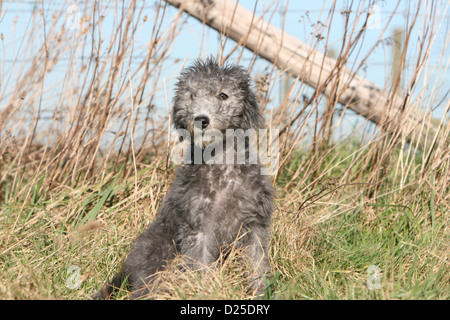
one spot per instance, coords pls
(178, 114)
(251, 112)
(176, 118)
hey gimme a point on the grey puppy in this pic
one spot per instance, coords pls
(209, 205)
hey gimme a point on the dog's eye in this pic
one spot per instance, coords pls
(223, 96)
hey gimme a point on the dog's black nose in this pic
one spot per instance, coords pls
(201, 122)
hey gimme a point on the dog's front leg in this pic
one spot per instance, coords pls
(201, 250)
(255, 246)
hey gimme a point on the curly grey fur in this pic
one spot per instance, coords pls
(208, 206)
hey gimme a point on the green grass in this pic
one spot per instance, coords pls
(404, 248)
(322, 252)
(397, 232)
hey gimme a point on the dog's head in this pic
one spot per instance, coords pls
(213, 97)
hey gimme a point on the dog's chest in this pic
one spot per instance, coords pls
(217, 202)
(220, 189)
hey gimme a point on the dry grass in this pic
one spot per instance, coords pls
(81, 175)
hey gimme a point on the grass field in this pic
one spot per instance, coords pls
(320, 249)
(362, 218)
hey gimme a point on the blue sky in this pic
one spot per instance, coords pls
(301, 19)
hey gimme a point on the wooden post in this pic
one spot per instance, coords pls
(314, 68)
